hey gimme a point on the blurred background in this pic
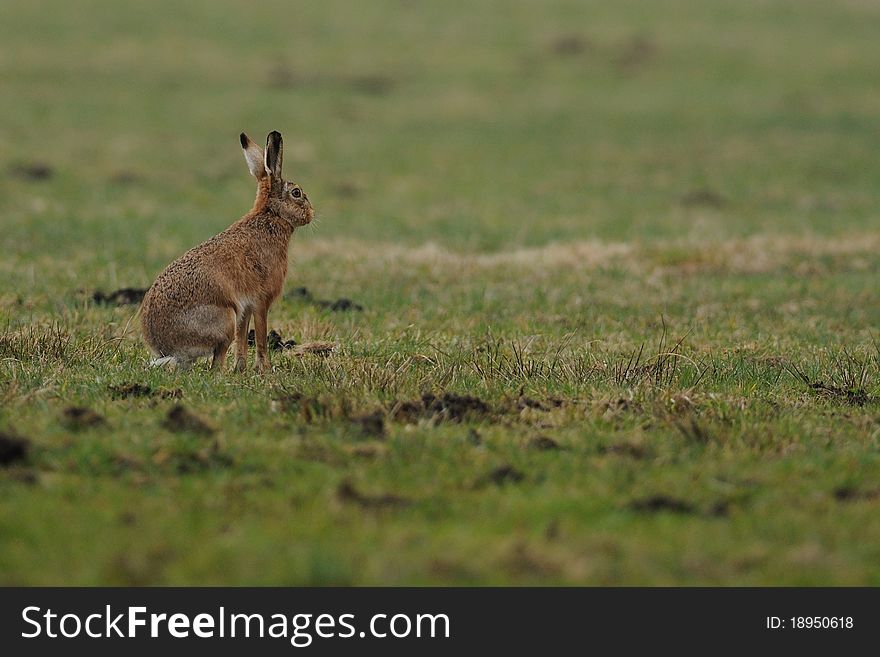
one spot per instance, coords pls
(480, 126)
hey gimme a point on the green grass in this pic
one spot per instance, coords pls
(656, 223)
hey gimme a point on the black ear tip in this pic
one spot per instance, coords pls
(274, 137)
(244, 140)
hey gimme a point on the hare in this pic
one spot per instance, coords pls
(204, 300)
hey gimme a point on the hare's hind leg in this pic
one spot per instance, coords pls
(221, 346)
(220, 355)
(202, 331)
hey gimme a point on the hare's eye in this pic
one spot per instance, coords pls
(296, 193)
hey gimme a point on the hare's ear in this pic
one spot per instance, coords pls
(253, 155)
(274, 154)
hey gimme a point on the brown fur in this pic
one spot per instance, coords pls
(204, 300)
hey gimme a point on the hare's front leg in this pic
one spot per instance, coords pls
(261, 333)
(241, 346)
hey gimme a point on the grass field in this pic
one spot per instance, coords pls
(618, 269)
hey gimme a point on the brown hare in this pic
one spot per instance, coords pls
(204, 300)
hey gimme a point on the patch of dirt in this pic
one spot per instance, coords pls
(503, 474)
(128, 390)
(341, 304)
(347, 190)
(33, 171)
(190, 461)
(21, 475)
(636, 53)
(124, 296)
(703, 197)
(567, 45)
(372, 85)
(372, 424)
(299, 293)
(455, 407)
(408, 411)
(720, 509)
(13, 449)
(852, 397)
(523, 402)
(124, 178)
(851, 494)
(283, 77)
(274, 341)
(447, 407)
(79, 417)
(474, 437)
(544, 443)
(346, 492)
(527, 402)
(658, 503)
(179, 420)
